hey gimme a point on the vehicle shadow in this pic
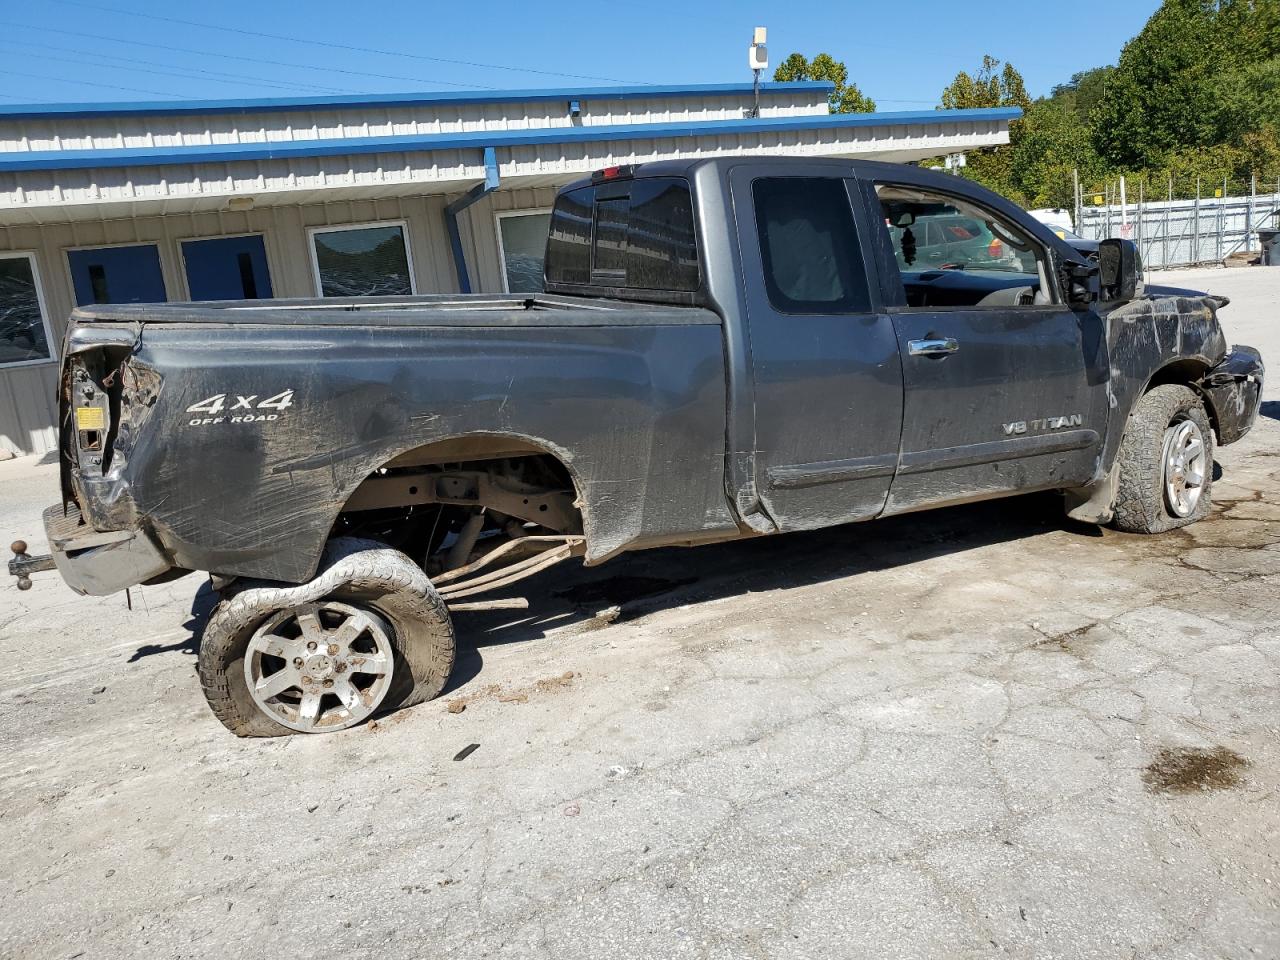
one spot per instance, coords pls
(634, 585)
(1270, 408)
(202, 605)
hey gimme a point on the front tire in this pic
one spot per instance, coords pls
(1165, 462)
(368, 634)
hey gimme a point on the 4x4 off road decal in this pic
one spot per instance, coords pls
(239, 409)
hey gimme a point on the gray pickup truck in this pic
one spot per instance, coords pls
(726, 348)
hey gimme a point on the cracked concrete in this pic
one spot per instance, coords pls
(925, 737)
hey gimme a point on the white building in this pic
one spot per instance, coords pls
(299, 197)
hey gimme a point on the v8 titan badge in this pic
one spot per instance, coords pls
(252, 408)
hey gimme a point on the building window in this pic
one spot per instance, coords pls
(362, 260)
(522, 241)
(227, 268)
(121, 274)
(24, 325)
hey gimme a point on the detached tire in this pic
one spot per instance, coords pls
(1165, 462)
(367, 635)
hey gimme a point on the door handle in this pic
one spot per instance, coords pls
(933, 348)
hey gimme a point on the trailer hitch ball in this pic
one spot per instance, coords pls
(19, 548)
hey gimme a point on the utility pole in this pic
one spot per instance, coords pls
(1079, 207)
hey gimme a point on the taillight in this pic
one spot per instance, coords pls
(995, 249)
(614, 173)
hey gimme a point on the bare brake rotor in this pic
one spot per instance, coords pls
(320, 667)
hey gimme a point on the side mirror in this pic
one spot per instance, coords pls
(1082, 283)
(1120, 269)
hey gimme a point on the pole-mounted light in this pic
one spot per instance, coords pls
(758, 60)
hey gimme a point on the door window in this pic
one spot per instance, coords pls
(24, 330)
(809, 245)
(523, 237)
(227, 268)
(117, 274)
(362, 261)
(950, 252)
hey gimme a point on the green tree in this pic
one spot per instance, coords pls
(1083, 91)
(845, 98)
(992, 86)
(1166, 93)
(1054, 142)
(987, 88)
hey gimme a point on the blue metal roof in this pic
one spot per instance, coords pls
(228, 153)
(32, 111)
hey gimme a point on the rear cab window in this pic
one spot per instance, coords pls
(809, 245)
(628, 238)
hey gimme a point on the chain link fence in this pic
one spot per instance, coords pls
(1214, 222)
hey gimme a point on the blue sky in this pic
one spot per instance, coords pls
(902, 54)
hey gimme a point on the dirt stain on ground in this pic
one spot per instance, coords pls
(1191, 769)
(1076, 642)
(507, 694)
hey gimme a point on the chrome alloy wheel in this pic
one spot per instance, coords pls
(319, 667)
(1185, 467)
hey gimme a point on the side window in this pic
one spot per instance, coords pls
(809, 245)
(569, 242)
(933, 234)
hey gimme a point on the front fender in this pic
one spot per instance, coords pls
(1233, 392)
(1173, 335)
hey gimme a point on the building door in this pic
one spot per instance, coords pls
(227, 268)
(117, 274)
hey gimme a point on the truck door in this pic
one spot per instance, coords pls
(1005, 385)
(826, 371)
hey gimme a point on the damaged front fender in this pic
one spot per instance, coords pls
(1233, 391)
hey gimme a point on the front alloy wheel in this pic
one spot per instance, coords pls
(1184, 467)
(320, 667)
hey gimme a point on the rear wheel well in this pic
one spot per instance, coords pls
(1188, 373)
(442, 502)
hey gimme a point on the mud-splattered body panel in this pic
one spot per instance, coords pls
(635, 412)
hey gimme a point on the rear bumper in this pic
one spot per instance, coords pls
(1234, 390)
(97, 564)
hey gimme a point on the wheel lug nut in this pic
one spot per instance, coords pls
(306, 679)
(311, 645)
(333, 649)
(340, 667)
(297, 662)
(328, 682)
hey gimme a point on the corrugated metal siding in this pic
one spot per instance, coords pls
(449, 170)
(27, 408)
(106, 133)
